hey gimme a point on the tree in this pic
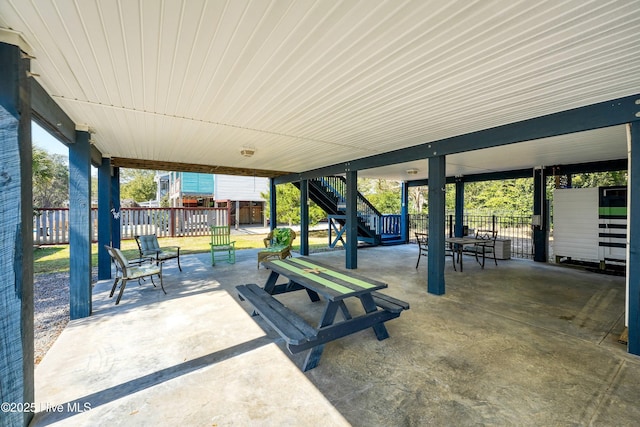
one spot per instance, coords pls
(382, 193)
(599, 179)
(288, 205)
(138, 185)
(50, 179)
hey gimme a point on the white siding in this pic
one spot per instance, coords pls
(575, 223)
(243, 188)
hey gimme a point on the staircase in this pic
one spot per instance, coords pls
(373, 228)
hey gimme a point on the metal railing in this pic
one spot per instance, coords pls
(337, 185)
(51, 226)
(518, 229)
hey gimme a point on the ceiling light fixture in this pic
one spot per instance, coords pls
(247, 152)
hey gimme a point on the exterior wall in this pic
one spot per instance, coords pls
(245, 188)
(197, 184)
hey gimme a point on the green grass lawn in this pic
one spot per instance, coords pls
(50, 259)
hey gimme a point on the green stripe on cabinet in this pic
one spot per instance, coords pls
(336, 274)
(612, 211)
(314, 277)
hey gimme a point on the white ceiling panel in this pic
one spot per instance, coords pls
(315, 83)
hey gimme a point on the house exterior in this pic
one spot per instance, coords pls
(241, 194)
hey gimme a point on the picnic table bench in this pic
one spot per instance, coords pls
(334, 286)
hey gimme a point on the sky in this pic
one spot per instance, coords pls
(42, 139)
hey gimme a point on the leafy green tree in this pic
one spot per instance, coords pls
(510, 195)
(138, 185)
(383, 194)
(599, 179)
(288, 206)
(50, 179)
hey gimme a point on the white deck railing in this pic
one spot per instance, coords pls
(51, 226)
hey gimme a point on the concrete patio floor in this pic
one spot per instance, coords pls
(522, 343)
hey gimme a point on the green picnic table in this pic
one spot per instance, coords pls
(321, 282)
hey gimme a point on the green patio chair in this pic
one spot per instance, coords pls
(221, 242)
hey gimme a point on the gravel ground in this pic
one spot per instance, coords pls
(51, 309)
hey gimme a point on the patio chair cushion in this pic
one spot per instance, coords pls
(282, 237)
(277, 244)
(148, 246)
(129, 272)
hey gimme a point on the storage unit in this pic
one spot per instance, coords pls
(503, 249)
(590, 224)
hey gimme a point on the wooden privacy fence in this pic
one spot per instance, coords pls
(51, 226)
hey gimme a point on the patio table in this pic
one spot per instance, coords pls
(334, 286)
(458, 244)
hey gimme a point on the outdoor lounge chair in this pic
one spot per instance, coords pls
(278, 244)
(221, 242)
(130, 272)
(148, 247)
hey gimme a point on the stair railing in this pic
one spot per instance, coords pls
(368, 215)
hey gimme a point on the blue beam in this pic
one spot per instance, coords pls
(404, 212)
(104, 219)
(351, 222)
(603, 166)
(435, 260)
(50, 116)
(273, 212)
(80, 226)
(115, 208)
(540, 230)
(633, 261)
(304, 217)
(459, 208)
(16, 244)
(610, 113)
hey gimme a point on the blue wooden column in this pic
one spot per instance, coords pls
(633, 261)
(435, 260)
(16, 237)
(304, 217)
(351, 222)
(116, 229)
(104, 218)
(404, 212)
(273, 212)
(459, 213)
(80, 226)
(540, 234)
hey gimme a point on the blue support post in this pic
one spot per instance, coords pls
(304, 217)
(116, 229)
(351, 222)
(633, 253)
(16, 242)
(404, 212)
(104, 219)
(273, 215)
(80, 226)
(435, 260)
(458, 230)
(540, 234)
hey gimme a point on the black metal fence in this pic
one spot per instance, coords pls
(518, 229)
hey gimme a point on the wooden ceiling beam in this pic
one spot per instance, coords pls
(123, 162)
